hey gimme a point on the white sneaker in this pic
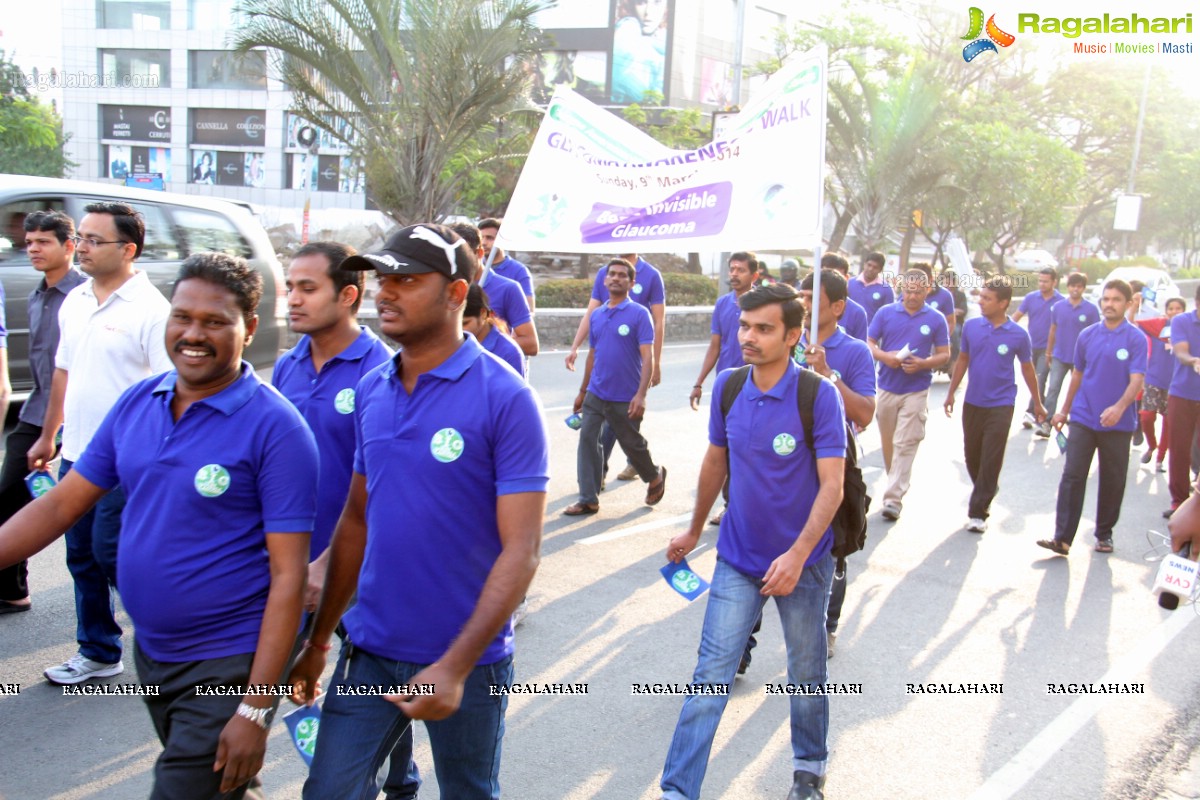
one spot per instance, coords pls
(78, 669)
(1029, 421)
(1043, 430)
(891, 511)
(976, 525)
(831, 641)
(521, 612)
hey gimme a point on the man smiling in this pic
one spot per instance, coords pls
(220, 472)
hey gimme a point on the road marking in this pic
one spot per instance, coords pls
(1009, 779)
(631, 530)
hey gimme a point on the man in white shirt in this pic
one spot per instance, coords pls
(112, 329)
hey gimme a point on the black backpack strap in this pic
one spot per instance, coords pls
(806, 399)
(732, 388)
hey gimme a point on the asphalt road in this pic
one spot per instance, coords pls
(927, 604)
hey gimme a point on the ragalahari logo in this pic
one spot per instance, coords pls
(994, 37)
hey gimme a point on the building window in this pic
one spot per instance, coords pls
(141, 69)
(228, 168)
(222, 69)
(138, 15)
(206, 15)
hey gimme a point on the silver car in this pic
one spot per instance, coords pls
(176, 226)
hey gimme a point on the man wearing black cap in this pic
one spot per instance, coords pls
(444, 561)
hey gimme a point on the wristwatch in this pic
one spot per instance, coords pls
(259, 716)
(834, 376)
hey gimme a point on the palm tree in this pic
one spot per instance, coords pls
(414, 82)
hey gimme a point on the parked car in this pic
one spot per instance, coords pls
(1160, 287)
(176, 226)
(1031, 261)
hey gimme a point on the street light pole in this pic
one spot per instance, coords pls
(1137, 146)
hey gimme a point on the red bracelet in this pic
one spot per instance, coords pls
(324, 648)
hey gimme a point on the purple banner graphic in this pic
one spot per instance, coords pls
(696, 211)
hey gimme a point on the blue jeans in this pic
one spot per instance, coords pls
(1059, 370)
(359, 732)
(734, 603)
(92, 562)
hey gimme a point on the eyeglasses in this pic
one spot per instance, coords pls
(80, 241)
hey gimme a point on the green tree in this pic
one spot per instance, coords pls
(31, 134)
(1173, 207)
(417, 83)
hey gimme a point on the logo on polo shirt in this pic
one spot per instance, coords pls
(446, 445)
(1002, 349)
(637, 288)
(344, 402)
(212, 480)
(1083, 317)
(1122, 354)
(784, 444)
(925, 329)
(875, 295)
(623, 330)
(684, 580)
(933, 304)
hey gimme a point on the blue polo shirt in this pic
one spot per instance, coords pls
(854, 320)
(923, 332)
(1037, 308)
(505, 349)
(726, 320)
(1185, 382)
(615, 334)
(992, 350)
(507, 299)
(326, 401)
(772, 473)
(1107, 358)
(1069, 321)
(515, 271)
(871, 298)
(435, 462)
(202, 493)
(647, 290)
(850, 358)
(1161, 364)
(942, 301)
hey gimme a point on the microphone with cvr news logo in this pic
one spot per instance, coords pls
(1176, 579)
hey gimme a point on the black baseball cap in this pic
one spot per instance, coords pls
(425, 247)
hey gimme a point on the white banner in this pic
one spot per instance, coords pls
(593, 183)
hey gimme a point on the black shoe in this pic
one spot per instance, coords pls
(806, 786)
(1138, 438)
(744, 664)
(1146, 456)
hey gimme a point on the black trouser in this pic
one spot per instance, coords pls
(14, 495)
(189, 726)
(985, 435)
(1082, 444)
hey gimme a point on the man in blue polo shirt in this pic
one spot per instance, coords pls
(1037, 305)
(775, 541)
(846, 362)
(854, 318)
(910, 340)
(938, 297)
(868, 288)
(990, 345)
(1110, 364)
(1183, 402)
(320, 373)
(221, 476)
(615, 381)
(648, 291)
(502, 263)
(724, 350)
(1068, 318)
(504, 296)
(443, 520)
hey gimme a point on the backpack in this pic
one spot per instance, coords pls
(850, 520)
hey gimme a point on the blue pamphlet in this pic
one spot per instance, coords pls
(39, 482)
(1061, 438)
(303, 724)
(683, 580)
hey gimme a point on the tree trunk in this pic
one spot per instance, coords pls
(910, 233)
(693, 264)
(839, 229)
(583, 269)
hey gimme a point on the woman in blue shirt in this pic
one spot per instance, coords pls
(490, 330)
